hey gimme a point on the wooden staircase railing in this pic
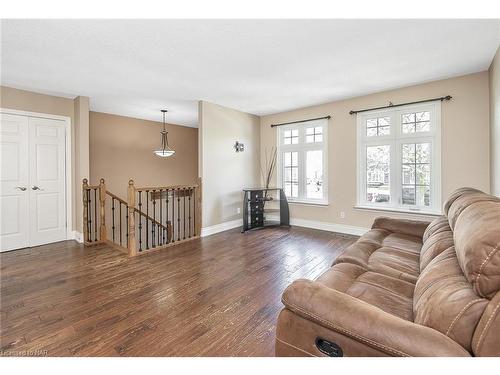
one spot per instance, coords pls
(151, 218)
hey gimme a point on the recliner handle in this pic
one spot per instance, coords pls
(329, 348)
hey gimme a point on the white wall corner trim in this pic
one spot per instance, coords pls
(207, 231)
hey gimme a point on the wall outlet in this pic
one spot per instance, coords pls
(238, 210)
(342, 214)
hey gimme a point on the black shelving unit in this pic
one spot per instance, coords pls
(260, 203)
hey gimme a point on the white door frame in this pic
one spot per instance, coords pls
(69, 161)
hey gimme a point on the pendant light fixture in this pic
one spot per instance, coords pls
(164, 151)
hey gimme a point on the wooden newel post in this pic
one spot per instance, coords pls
(85, 185)
(132, 247)
(102, 210)
(199, 211)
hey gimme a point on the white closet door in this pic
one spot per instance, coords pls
(13, 182)
(47, 200)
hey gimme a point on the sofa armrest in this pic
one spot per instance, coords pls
(404, 226)
(366, 323)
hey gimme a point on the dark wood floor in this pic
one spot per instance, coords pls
(216, 296)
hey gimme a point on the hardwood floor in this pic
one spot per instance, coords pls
(215, 296)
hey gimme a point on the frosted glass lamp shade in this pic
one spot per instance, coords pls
(164, 153)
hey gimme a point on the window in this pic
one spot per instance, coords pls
(399, 158)
(291, 137)
(302, 157)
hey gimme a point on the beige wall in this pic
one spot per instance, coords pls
(77, 110)
(34, 102)
(465, 143)
(225, 172)
(495, 123)
(121, 148)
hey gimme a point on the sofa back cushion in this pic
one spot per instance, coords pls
(486, 341)
(477, 243)
(458, 203)
(437, 238)
(460, 266)
(445, 300)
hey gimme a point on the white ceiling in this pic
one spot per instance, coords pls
(137, 67)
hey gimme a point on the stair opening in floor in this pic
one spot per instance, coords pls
(150, 218)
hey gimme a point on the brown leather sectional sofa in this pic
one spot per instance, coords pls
(405, 288)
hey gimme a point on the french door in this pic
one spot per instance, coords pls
(32, 181)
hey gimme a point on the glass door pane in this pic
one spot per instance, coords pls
(378, 174)
(291, 173)
(314, 174)
(416, 174)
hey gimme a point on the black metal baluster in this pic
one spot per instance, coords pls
(194, 212)
(113, 217)
(120, 223)
(178, 215)
(189, 206)
(89, 215)
(95, 214)
(173, 215)
(184, 214)
(140, 221)
(160, 229)
(166, 214)
(153, 224)
(126, 219)
(147, 219)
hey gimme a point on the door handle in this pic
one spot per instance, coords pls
(36, 188)
(22, 188)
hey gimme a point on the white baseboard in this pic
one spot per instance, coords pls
(330, 227)
(78, 236)
(207, 231)
(323, 225)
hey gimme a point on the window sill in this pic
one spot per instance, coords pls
(400, 211)
(307, 203)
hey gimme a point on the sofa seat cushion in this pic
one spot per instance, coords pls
(385, 252)
(390, 294)
(396, 262)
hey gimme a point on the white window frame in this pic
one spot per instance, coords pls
(302, 147)
(395, 140)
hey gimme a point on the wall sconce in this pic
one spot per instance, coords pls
(239, 147)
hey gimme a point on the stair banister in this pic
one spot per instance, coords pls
(95, 206)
